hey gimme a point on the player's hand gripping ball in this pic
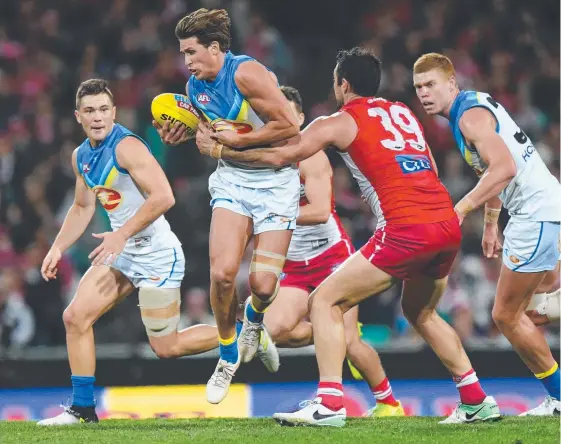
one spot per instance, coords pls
(175, 118)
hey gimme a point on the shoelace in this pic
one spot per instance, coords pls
(222, 375)
(307, 402)
(251, 335)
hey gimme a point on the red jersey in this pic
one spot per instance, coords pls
(390, 160)
(309, 241)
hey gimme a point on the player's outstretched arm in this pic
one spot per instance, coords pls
(135, 157)
(338, 129)
(317, 173)
(260, 88)
(478, 128)
(75, 223)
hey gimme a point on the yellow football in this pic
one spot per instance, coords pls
(175, 108)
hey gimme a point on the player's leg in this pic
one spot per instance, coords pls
(284, 319)
(266, 266)
(545, 305)
(160, 302)
(229, 236)
(531, 249)
(368, 363)
(99, 290)
(419, 299)
(513, 293)
(354, 281)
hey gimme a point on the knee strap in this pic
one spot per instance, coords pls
(159, 309)
(267, 261)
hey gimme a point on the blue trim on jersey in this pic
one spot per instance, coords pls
(535, 251)
(464, 101)
(172, 268)
(213, 201)
(224, 97)
(95, 164)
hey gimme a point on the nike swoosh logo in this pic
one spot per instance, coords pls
(470, 416)
(318, 416)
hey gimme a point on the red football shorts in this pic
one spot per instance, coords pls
(307, 275)
(404, 251)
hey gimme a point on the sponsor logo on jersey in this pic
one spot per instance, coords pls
(108, 198)
(203, 98)
(413, 163)
(186, 105)
(527, 153)
(231, 125)
(270, 218)
(142, 241)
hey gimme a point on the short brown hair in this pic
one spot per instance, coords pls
(433, 60)
(208, 26)
(292, 95)
(93, 87)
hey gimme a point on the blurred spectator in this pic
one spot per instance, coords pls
(195, 309)
(17, 325)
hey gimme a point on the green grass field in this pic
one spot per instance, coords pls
(510, 430)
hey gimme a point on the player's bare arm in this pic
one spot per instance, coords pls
(317, 173)
(478, 128)
(490, 241)
(77, 219)
(338, 130)
(260, 88)
(133, 156)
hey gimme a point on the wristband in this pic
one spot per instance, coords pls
(216, 150)
(492, 215)
(464, 206)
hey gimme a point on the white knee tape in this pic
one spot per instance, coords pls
(546, 304)
(159, 308)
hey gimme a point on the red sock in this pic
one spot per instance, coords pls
(470, 389)
(383, 393)
(331, 394)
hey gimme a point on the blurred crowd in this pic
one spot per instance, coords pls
(507, 48)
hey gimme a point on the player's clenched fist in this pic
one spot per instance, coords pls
(49, 267)
(490, 242)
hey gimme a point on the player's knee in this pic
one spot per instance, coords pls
(166, 351)
(502, 317)
(74, 322)
(223, 276)
(263, 285)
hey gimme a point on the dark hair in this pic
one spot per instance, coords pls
(93, 87)
(292, 95)
(208, 26)
(361, 68)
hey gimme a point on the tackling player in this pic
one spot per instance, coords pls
(117, 166)
(512, 174)
(241, 100)
(416, 240)
(318, 247)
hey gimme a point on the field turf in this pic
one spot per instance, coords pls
(510, 430)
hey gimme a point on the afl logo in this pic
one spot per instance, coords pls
(86, 168)
(203, 99)
(108, 198)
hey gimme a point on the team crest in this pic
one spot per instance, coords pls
(108, 198)
(86, 168)
(514, 259)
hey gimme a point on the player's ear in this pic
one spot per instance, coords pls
(452, 83)
(301, 119)
(77, 115)
(114, 112)
(214, 48)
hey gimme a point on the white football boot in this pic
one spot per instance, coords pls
(549, 407)
(313, 413)
(68, 417)
(267, 352)
(219, 383)
(250, 335)
(488, 410)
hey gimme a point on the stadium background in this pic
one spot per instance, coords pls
(507, 48)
